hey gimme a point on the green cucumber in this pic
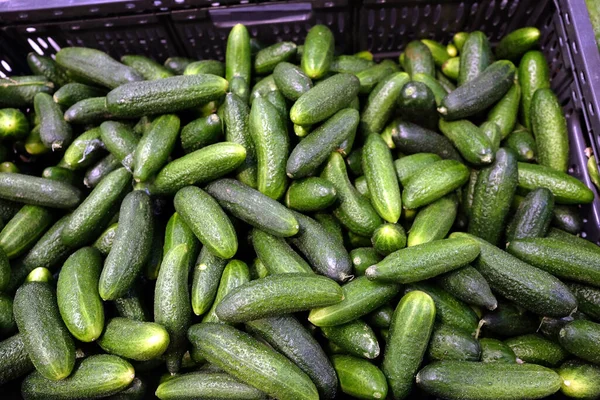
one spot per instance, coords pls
(479, 93)
(350, 64)
(262, 88)
(451, 50)
(381, 318)
(96, 376)
(582, 339)
(362, 258)
(13, 124)
(277, 256)
(146, 67)
(205, 67)
(592, 168)
(493, 350)
(371, 76)
(588, 299)
(7, 320)
(571, 239)
(120, 141)
(286, 335)
(177, 232)
(355, 240)
(533, 216)
(278, 101)
(521, 141)
(359, 378)
(566, 189)
(434, 182)
(534, 74)
(88, 111)
(361, 296)
(310, 194)
(268, 58)
(33, 143)
(580, 380)
(438, 51)
(567, 218)
(549, 127)
(253, 207)
(509, 320)
(434, 221)
(331, 224)
(45, 337)
(388, 238)
(470, 141)
(130, 306)
(135, 391)
(535, 349)
(15, 361)
(527, 286)
(162, 96)
(200, 384)
(517, 43)
(494, 191)
(302, 131)
(100, 169)
(433, 84)
(355, 338)
(360, 184)
(24, 229)
(417, 103)
(130, 248)
(177, 64)
(201, 132)
(11, 167)
(55, 132)
(206, 276)
(411, 138)
(382, 102)
(317, 54)
(468, 285)
(84, 150)
(325, 99)
(468, 380)
(475, 56)
(310, 153)
(38, 191)
(354, 161)
(235, 274)
(200, 166)
(291, 80)
(505, 112)
(492, 132)
(407, 166)
(47, 67)
(19, 91)
(451, 68)
(72, 93)
(409, 335)
(459, 39)
(418, 59)
(451, 344)
(135, 340)
(237, 54)
(155, 147)
(4, 271)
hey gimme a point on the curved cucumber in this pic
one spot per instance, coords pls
(207, 274)
(135, 340)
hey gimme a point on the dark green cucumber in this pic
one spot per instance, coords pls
(492, 132)
(361, 185)
(77, 295)
(268, 58)
(24, 229)
(146, 67)
(200, 166)
(172, 306)
(205, 67)
(318, 51)
(88, 111)
(355, 338)
(475, 56)
(411, 138)
(468, 285)
(350, 64)
(418, 59)
(201, 132)
(566, 189)
(277, 256)
(130, 248)
(434, 221)
(4, 272)
(588, 299)
(527, 286)
(135, 391)
(19, 91)
(517, 43)
(325, 99)
(409, 335)
(100, 169)
(493, 350)
(154, 148)
(278, 101)
(382, 102)
(470, 141)
(207, 273)
(535, 349)
(438, 52)
(45, 337)
(120, 141)
(417, 104)
(293, 340)
(15, 361)
(55, 133)
(567, 218)
(331, 224)
(167, 95)
(355, 240)
(381, 317)
(201, 384)
(38, 191)
(354, 161)
(451, 68)
(371, 76)
(582, 339)
(504, 113)
(7, 321)
(178, 232)
(509, 320)
(388, 238)
(361, 296)
(72, 93)
(434, 182)
(131, 306)
(549, 127)
(13, 124)
(580, 380)
(521, 141)
(55, 173)
(310, 194)
(533, 216)
(362, 258)
(571, 239)
(84, 150)
(177, 64)
(359, 378)
(291, 80)
(534, 74)
(47, 67)
(236, 273)
(95, 376)
(433, 84)
(468, 380)
(493, 195)
(407, 166)
(451, 344)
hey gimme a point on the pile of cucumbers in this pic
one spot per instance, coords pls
(294, 224)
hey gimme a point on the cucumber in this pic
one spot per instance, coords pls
(72, 93)
(451, 344)
(205, 67)
(291, 80)
(381, 318)
(459, 39)
(494, 191)
(468, 285)
(381, 102)
(207, 220)
(411, 138)
(408, 166)
(200, 166)
(475, 56)
(13, 124)
(353, 210)
(571, 239)
(567, 218)
(533, 216)
(135, 391)
(517, 43)
(592, 168)
(15, 361)
(449, 310)
(418, 104)
(201, 132)
(359, 378)
(177, 64)
(362, 258)
(45, 337)
(313, 151)
(317, 54)
(84, 150)
(54, 131)
(418, 59)
(451, 50)
(47, 67)
(19, 91)
(388, 238)
(521, 141)
(565, 188)
(493, 350)
(588, 299)
(262, 88)
(479, 93)
(371, 76)
(580, 380)
(33, 143)
(361, 296)
(253, 207)
(277, 295)
(350, 64)
(155, 147)
(136, 99)
(550, 327)
(206, 276)
(251, 362)
(96, 376)
(172, 306)
(146, 67)
(468, 380)
(492, 132)
(7, 320)
(582, 339)
(77, 294)
(269, 134)
(40, 274)
(267, 59)
(235, 274)
(433, 183)
(355, 338)
(200, 384)
(533, 74)
(302, 131)
(100, 169)
(354, 161)
(277, 256)
(451, 68)
(11, 167)
(470, 141)
(549, 127)
(535, 349)
(325, 99)
(504, 113)
(409, 335)
(330, 224)
(130, 306)
(177, 232)
(438, 52)
(286, 335)
(310, 194)
(135, 340)
(355, 240)
(434, 221)
(24, 229)
(120, 141)
(237, 55)
(361, 185)
(88, 111)
(278, 101)
(527, 286)
(509, 320)
(130, 248)
(433, 84)
(563, 260)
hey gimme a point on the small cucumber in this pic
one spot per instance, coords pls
(517, 43)
(38, 191)
(382, 317)
(262, 88)
(11, 167)
(580, 380)
(451, 68)
(418, 59)
(277, 256)
(236, 273)
(371, 76)
(362, 258)
(201, 384)
(521, 141)
(72, 93)
(155, 147)
(407, 166)
(582, 339)
(509, 320)
(566, 189)
(291, 81)
(268, 58)
(310, 194)
(505, 112)
(549, 127)
(84, 150)
(201, 132)
(417, 104)
(359, 378)
(535, 349)
(88, 111)
(19, 91)
(382, 102)
(205, 67)
(533, 216)
(177, 64)
(468, 285)
(388, 238)
(459, 39)
(146, 67)
(237, 54)
(24, 229)
(120, 141)
(47, 67)
(411, 138)
(493, 350)
(331, 224)
(13, 124)
(533, 74)
(409, 335)
(434, 221)
(475, 56)
(15, 361)
(470, 141)
(492, 132)
(438, 51)
(317, 55)
(135, 340)
(178, 232)
(433, 84)
(33, 143)
(55, 132)
(571, 239)
(451, 344)
(206, 276)
(355, 338)
(567, 218)
(100, 169)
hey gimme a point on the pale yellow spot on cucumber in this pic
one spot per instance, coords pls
(202, 267)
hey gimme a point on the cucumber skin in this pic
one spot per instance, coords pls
(468, 285)
(99, 170)
(206, 384)
(251, 362)
(355, 338)
(516, 43)
(359, 378)
(588, 299)
(291, 80)
(418, 59)
(388, 238)
(55, 132)
(45, 337)
(88, 111)
(468, 380)
(15, 360)
(581, 338)
(580, 379)
(38, 191)
(409, 335)
(310, 194)
(318, 51)
(236, 273)
(509, 320)
(535, 349)
(566, 189)
(505, 112)
(407, 166)
(470, 140)
(268, 58)
(84, 150)
(155, 147)
(434, 221)
(293, 340)
(567, 218)
(549, 127)
(135, 340)
(363, 258)
(130, 306)
(534, 74)
(533, 216)
(448, 343)
(23, 230)
(521, 141)
(493, 350)
(411, 139)
(277, 256)
(206, 277)
(382, 102)
(475, 55)
(146, 67)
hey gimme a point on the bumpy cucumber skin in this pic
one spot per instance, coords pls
(434, 221)
(146, 67)
(88, 111)
(536, 349)
(582, 338)
(363, 258)
(388, 238)
(381, 102)
(571, 239)
(236, 273)
(407, 166)
(533, 216)
(449, 343)
(55, 132)
(517, 43)
(534, 74)
(493, 350)
(310, 194)
(567, 218)
(277, 256)
(359, 378)
(24, 229)
(468, 285)
(120, 140)
(205, 67)
(135, 340)
(475, 56)
(268, 58)
(355, 338)
(418, 59)
(19, 91)
(203, 384)
(15, 360)
(521, 141)
(318, 51)
(549, 127)
(580, 379)
(71, 93)
(206, 277)
(566, 189)
(411, 138)
(291, 80)
(588, 299)
(46, 66)
(154, 148)
(505, 112)
(371, 76)
(509, 320)
(100, 169)
(84, 150)
(470, 141)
